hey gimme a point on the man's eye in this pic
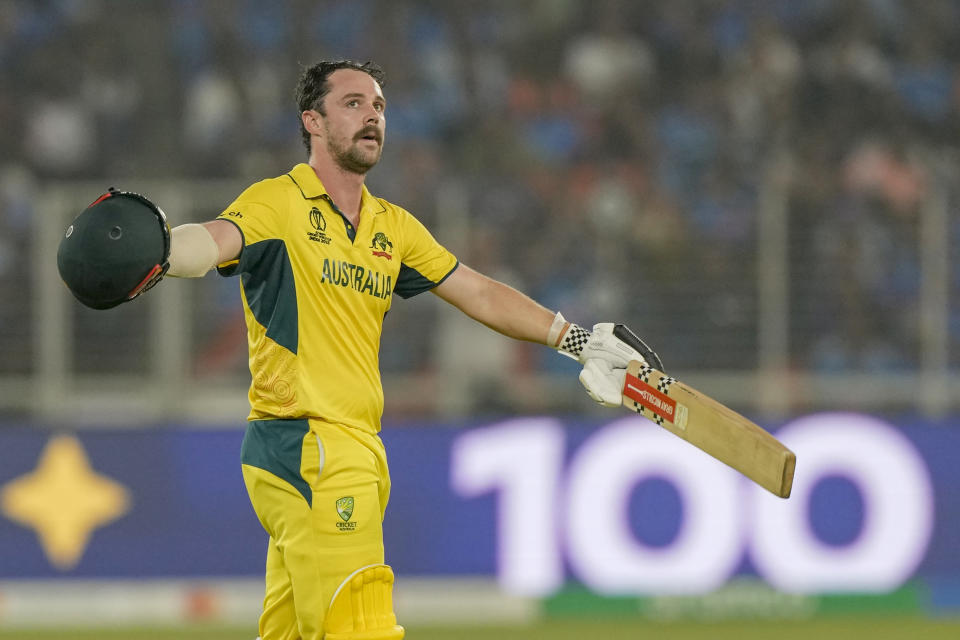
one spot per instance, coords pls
(352, 103)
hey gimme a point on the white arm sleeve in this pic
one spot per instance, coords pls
(193, 251)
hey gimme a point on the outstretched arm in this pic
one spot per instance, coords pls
(605, 352)
(195, 249)
(497, 305)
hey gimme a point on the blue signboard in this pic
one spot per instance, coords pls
(621, 507)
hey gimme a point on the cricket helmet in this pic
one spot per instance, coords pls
(117, 248)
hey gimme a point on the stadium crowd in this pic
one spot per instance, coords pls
(613, 157)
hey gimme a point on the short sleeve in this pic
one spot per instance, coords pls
(424, 262)
(256, 220)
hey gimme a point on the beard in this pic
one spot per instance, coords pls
(350, 157)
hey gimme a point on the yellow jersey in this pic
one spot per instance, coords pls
(315, 291)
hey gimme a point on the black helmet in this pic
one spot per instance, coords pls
(116, 249)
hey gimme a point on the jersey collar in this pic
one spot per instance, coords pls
(311, 187)
(306, 178)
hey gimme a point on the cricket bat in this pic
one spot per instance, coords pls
(710, 426)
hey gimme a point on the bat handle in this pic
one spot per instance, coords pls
(621, 332)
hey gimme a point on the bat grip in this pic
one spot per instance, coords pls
(622, 333)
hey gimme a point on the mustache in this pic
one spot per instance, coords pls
(370, 130)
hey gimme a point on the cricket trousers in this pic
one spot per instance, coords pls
(320, 491)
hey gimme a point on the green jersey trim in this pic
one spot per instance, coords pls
(411, 282)
(268, 284)
(277, 446)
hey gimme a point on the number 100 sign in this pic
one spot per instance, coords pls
(549, 511)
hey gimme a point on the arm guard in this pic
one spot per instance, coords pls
(193, 251)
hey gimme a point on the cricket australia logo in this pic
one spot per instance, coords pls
(381, 243)
(319, 223)
(345, 509)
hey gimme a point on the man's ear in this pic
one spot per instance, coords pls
(312, 122)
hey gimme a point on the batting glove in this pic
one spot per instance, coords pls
(604, 354)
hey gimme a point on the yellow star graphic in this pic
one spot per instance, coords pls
(64, 500)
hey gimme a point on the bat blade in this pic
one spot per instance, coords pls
(710, 426)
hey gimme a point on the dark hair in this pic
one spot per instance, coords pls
(313, 86)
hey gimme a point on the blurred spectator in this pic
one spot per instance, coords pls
(609, 62)
(60, 136)
(582, 136)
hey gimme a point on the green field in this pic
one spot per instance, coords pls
(879, 628)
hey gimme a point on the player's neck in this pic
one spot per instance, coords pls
(345, 188)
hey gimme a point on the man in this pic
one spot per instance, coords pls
(319, 258)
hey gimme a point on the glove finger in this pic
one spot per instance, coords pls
(614, 387)
(588, 382)
(594, 397)
(604, 344)
(602, 383)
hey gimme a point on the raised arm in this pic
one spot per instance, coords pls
(604, 352)
(497, 305)
(195, 249)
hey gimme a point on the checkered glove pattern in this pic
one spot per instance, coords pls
(605, 357)
(574, 341)
(604, 353)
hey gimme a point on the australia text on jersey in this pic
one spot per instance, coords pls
(368, 281)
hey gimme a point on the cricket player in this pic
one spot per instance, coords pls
(320, 259)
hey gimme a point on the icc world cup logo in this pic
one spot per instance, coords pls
(317, 220)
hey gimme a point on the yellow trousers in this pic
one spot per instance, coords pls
(320, 491)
